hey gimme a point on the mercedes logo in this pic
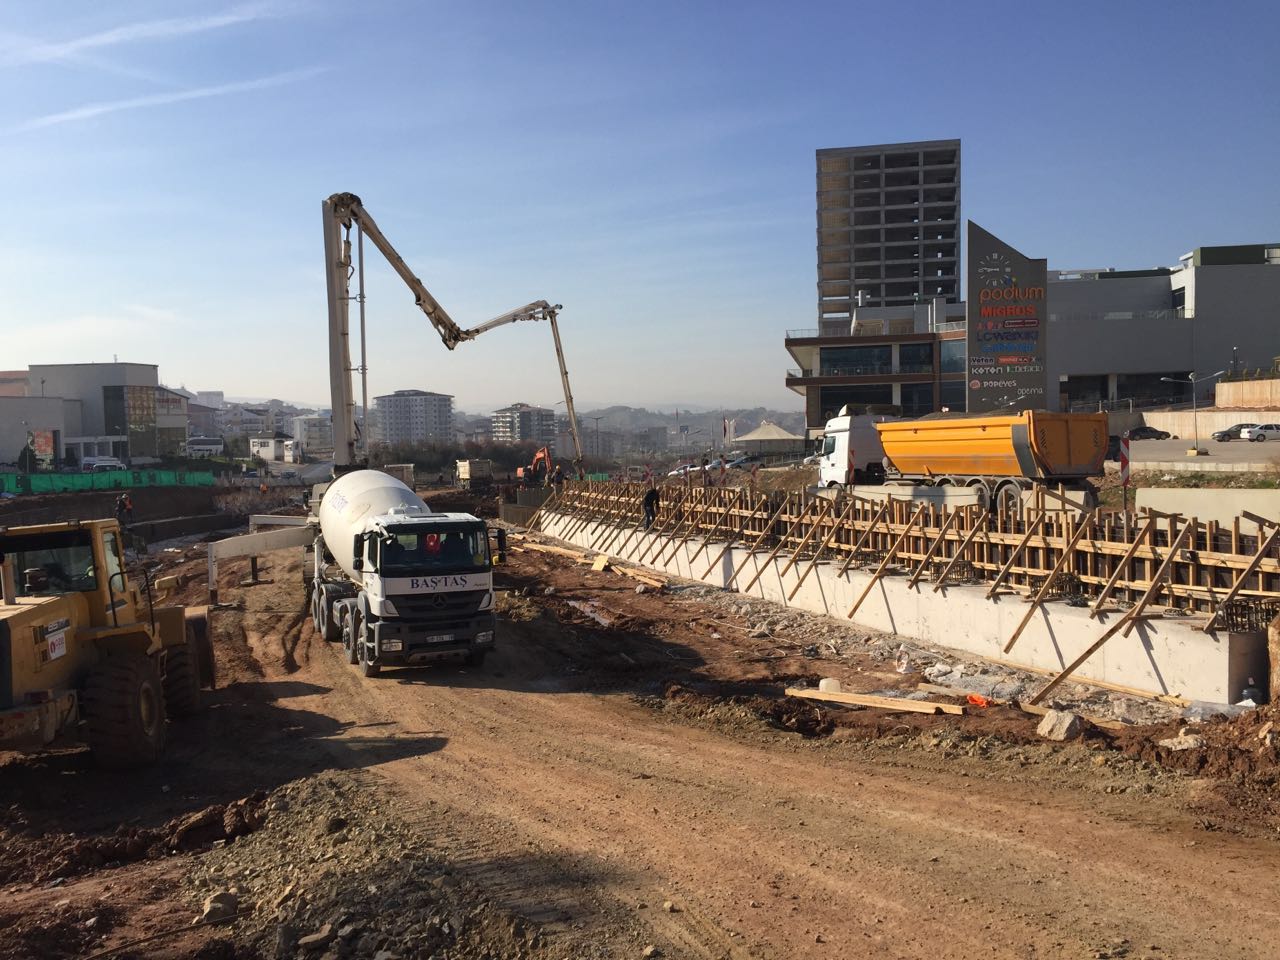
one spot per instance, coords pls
(439, 601)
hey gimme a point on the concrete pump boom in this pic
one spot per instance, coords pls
(343, 210)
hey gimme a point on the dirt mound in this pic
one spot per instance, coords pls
(31, 857)
(364, 880)
(1247, 745)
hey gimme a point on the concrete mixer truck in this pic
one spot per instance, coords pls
(397, 583)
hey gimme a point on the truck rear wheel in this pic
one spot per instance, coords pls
(328, 624)
(124, 711)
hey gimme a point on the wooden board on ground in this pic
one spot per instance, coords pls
(881, 703)
(600, 563)
(1034, 709)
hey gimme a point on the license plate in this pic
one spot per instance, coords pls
(440, 638)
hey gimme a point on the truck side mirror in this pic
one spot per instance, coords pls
(357, 553)
(502, 544)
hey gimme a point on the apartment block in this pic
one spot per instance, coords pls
(415, 417)
(523, 422)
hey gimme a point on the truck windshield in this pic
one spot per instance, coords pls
(49, 563)
(412, 551)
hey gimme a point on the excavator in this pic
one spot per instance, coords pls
(538, 470)
(341, 213)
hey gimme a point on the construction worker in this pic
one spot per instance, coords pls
(706, 472)
(557, 478)
(651, 500)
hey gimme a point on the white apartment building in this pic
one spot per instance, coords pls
(415, 416)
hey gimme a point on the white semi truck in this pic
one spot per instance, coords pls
(399, 584)
(851, 451)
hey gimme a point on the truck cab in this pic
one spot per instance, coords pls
(425, 591)
(851, 451)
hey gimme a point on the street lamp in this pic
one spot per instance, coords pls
(597, 420)
(1195, 418)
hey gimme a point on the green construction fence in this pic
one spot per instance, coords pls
(21, 483)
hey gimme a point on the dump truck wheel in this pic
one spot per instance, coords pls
(124, 711)
(182, 679)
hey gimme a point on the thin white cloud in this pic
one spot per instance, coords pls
(24, 51)
(90, 110)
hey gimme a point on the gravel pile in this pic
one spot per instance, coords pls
(336, 872)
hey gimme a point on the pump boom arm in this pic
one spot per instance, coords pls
(344, 210)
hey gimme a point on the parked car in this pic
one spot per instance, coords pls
(1146, 433)
(1266, 431)
(682, 469)
(1232, 432)
(743, 463)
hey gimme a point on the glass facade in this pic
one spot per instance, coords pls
(952, 395)
(833, 398)
(951, 356)
(857, 361)
(917, 399)
(915, 358)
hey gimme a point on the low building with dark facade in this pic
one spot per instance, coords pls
(1115, 338)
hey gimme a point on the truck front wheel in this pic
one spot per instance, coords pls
(351, 638)
(124, 711)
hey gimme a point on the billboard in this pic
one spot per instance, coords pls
(1007, 318)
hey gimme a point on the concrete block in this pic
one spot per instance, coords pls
(1060, 725)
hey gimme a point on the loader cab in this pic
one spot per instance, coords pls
(65, 559)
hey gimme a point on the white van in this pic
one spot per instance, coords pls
(851, 451)
(101, 464)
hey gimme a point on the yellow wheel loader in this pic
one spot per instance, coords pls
(84, 653)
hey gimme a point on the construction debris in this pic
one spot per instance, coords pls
(1060, 725)
(881, 703)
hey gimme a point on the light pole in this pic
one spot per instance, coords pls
(1195, 417)
(597, 420)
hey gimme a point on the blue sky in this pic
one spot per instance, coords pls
(650, 166)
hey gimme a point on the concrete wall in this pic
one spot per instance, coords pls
(1181, 423)
(1222, 506)
(1158, 656)
(20, 414)
(1248, 394)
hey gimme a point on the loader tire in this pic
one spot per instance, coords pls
(206, 663)
(182, 695)
(123, 710)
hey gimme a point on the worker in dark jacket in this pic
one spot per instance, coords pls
(651, 500)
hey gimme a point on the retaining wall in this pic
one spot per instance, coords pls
(1158, 656)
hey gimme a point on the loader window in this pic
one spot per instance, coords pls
(414, 552)
(50, 563)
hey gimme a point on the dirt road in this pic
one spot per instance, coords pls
(620, 787)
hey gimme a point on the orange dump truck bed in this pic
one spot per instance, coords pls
(1034, 444)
